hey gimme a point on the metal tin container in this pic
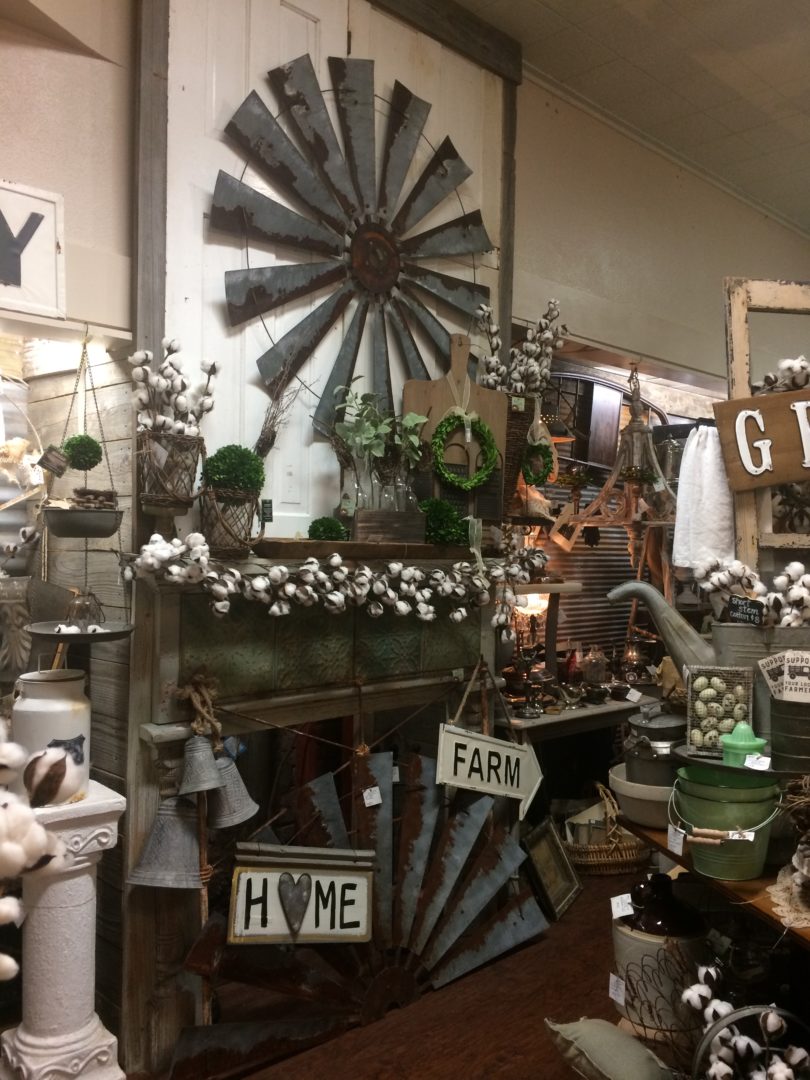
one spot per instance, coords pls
(648, 748)
(50, 709)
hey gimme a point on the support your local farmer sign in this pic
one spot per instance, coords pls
(765, 440)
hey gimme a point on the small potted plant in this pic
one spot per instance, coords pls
(232, 481)
(169, 415)
(92, 512)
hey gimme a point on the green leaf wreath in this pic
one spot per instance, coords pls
(486, 441)
(533, 451)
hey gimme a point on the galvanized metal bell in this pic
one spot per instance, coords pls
(200, 771)
(171, 854)
(230, 804)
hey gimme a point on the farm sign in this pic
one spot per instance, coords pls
(299, 894)
(765, 440)
(480, 763)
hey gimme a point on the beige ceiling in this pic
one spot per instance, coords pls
(723, 85)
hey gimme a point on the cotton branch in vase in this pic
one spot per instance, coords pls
(529, 366)
(733, 1055)
(164, 398)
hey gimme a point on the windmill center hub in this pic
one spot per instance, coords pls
(374, 258)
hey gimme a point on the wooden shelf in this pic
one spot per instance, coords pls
(754, 893)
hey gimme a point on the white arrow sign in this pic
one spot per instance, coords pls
(480, 763)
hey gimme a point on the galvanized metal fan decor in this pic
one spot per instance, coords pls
(441, 907)
(354, 218)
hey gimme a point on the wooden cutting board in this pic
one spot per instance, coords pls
(433, 398)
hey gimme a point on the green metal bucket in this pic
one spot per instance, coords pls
(750, 807)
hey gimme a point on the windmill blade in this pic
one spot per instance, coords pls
(420, 809)
(514, 924)
(463, 295)
(296, 87)
(422, 315)
(263, 140)
(406, 119)
(452, 852)
(353, 82)
(341, 373)
(443, 174)
(287, 355)
(244, 212)
(414, 364)
(463, 235)
(262, 288)
(225, 1051)
(319, 815)
(496, 863)
(374, 826)
(380, 370)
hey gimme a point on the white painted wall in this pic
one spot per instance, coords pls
(218, 53)
(67, 127)
(635, 247)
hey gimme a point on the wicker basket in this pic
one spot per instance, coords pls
(167, 471)
(619, 853)
(227, 521)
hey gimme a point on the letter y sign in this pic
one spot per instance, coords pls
(12, 247)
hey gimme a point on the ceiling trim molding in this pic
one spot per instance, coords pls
(571, 97)
(454, 26)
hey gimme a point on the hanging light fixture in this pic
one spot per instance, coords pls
(636, 494)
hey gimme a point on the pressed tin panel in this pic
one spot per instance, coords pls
(450, 645)
(314, 648)
(388, 646)
(239, 649)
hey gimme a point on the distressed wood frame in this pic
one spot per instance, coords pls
(752, 509)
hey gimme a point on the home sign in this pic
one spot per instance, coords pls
(765, 440)
(293, 895)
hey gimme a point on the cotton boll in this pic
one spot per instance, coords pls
(10, 910)
(772, 1025)
(374, 609)
(720, 1070)
(696, 996)
(12, 859)
(9, 968)
(209, 367)
(716, 1009)
(794, 570)
(12, 758)
(797, 1056)
(394, 569)
(401, 607)
(221, 607)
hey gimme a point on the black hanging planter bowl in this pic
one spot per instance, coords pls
(79, 522)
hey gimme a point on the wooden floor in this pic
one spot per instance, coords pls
(489, 1025)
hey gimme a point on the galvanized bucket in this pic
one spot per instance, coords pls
(790, 736)
(750, 807)
(738, 645)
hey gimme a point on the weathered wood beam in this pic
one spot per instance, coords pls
(459, 29)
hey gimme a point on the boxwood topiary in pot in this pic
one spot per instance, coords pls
(233, 478)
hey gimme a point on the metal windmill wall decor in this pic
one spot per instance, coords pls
(353, 215)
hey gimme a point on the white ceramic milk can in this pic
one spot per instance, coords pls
(50, 709)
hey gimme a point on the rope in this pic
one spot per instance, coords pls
(200, 691)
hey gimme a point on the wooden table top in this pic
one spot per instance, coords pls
(551, 725)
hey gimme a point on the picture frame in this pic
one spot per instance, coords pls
(32, 251)
(553, 877)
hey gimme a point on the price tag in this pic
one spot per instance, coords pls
(634, 695)
(517, 404)
(743, 610)
(653, 670)
(372, 796)
(621, 905)
(757, 761)
(616, 989)
(458, 673)
(159, 454)
(747, 835)
(395, 774)
(659, 484)
(675, 839)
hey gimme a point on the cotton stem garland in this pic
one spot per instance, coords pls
(786, 604)
(337, 588)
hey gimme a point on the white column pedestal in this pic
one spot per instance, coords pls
(60, 1034)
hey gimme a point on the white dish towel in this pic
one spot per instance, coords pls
(704, 519)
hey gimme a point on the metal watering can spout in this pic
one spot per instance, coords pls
(684, 644)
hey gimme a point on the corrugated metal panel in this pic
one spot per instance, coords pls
(588, 617)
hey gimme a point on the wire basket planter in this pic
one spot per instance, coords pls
(167, 471)
(227, 521)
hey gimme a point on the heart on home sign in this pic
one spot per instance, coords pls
(294, 897)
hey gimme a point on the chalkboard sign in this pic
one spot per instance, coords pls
(743, 610)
